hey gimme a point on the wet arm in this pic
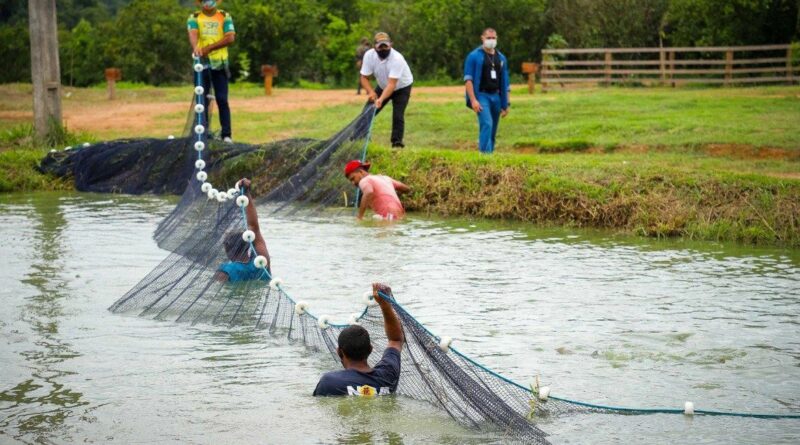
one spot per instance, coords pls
(366, 201)
(252, 223)
(391, 322)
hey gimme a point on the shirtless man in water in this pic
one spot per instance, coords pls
(379, 192)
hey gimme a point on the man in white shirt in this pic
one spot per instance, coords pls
(394, 80)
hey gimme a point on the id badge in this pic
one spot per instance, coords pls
(493, 73)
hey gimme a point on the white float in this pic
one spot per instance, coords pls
(275, 283)
(322, 322)
(354, 319)
(199, 108)
(198, 67)
(202, 176)
(369, 299)
(688, 408)
(86, 144)
(206, 187)
(212, 194)
(199, 145)
(248, 236)
(199, 164)
(199, 129)
(232, 192)
(300, 308)
(198, 90)
(170, 137)
(544, 393)
(260, 262)
(242, 201)
(444, 343)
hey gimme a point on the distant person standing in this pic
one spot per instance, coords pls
(487, 88)
(394, 80)
(211, 31)
(362, 49)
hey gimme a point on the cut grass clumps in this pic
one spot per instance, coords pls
(559, 146)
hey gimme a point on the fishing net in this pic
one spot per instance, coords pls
(296, 175)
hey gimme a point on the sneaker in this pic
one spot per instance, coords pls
(227, 140)
(398, 145)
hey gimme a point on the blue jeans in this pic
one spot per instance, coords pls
(488, 119)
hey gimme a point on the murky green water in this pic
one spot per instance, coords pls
(601, 319)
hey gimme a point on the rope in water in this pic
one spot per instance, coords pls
(302, 308)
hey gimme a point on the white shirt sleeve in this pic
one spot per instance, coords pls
(368, 63)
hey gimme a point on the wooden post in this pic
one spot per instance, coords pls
(544, 73)
(789, 67)
(530, 69)
(112, 76)
(728, 67)
(269, 71)
(608, 68)
(672, 68)
(45, 68)
(662, 66)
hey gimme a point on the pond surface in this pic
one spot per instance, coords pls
(599, 318)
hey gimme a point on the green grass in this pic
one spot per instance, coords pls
(699, 163)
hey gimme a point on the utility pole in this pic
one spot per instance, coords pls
(45, 68)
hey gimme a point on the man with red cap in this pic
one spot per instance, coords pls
(378, 192)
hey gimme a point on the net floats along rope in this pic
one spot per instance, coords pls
(199, 108)
(248, 236)
(52, 150)
(354, 319)
(260, 261)
(170, 137)
(369, 299)
(300, 308)
(198, 67)
(206, 187)
(544, 393)
(212, 194)
(444, 343)
(688, 408)
(200, 164)
(199, 145)
(222, 197)
(199, 129)
(242, 201)
(199, 90)
(232, 192)
(275, 283)
(322, 322)
(202, 176)
(86, 144)
(68, 148)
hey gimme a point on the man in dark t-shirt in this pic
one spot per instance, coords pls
(358, 378)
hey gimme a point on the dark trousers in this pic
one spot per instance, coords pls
(219, 78)
(399, 100)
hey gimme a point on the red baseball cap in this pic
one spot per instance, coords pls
(355, 165)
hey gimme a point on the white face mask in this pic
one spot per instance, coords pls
(490, 43)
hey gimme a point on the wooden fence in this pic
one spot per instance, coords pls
(727, 65)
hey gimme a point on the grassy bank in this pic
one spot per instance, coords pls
(657, 196)
(717, 164)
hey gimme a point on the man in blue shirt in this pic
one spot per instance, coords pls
(487, 85)
(241, 266)
(358, 378)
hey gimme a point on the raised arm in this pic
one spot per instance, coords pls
(260, 244)
(391, 322)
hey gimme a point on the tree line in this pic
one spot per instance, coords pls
(315, 40)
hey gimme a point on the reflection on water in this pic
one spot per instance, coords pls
(37, 407)
(601, 318)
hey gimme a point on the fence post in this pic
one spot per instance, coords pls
(268, 71)
(789, 73)
(112, 76)
(544, 73)
(728, 67)
(530, 69)
(662, 66)
(672, 68)
(608, 68)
